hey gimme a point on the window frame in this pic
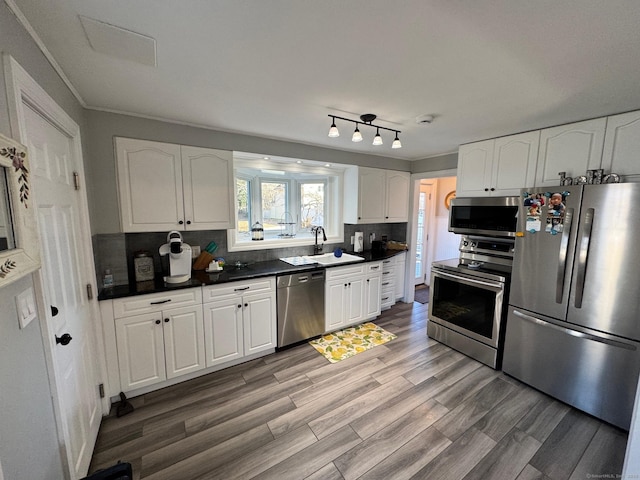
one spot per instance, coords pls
(295, 175)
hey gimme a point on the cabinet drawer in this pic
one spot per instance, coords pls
(341, 272)
(373, 267)
(154, 302)
(236, 289)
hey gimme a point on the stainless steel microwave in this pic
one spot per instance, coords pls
(492, 216)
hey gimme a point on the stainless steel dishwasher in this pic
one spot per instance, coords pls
(300, 299)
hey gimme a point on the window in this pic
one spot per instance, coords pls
(287, 199)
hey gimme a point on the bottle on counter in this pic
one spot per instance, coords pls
(107, 279)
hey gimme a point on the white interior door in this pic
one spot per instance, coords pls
(422, 234)
(65, 274)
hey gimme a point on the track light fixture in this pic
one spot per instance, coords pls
(365, 119)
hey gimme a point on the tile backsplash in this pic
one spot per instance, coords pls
(115, 251)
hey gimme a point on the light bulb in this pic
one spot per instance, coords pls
(396, 142)
(357, 136)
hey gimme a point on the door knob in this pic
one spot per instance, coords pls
(54, 311)
(64, 339)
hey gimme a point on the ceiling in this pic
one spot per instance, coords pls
(277, 68)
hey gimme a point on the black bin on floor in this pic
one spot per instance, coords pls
(120, 471)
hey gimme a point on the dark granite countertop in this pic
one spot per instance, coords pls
(229, 274)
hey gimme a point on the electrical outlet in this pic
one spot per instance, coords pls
(353, 239)
(195, 251)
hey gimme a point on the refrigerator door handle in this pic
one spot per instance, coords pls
(575, 333)
(583, 255)
(562, 259)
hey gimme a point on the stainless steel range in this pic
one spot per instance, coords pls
(469, 296)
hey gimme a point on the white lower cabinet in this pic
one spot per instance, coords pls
(388, 287)
(239, 319)
(157, 346)
(352, 294)
(401, 268)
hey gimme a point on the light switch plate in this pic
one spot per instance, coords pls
(26, 306)
(195, 251)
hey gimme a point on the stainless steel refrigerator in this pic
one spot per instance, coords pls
(573, 325)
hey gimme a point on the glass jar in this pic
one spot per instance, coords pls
(257, 232)
(143, 266)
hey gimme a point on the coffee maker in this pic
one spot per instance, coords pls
(179, 258)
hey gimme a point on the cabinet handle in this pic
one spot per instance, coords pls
(240, 306)
(160, 302)
(240, 289)
(386, 217)
(180, 222)
(188, 222)
(486, 189)
(367, 280)
(385, 298)
(166, 320)
(157, 322)
(493, 189)
(375, 267)
(386, 273)
(246, 304)
(349, 283)
(385, 283)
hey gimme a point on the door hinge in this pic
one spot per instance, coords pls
(101, 390)
(76, 180)
(89, 291)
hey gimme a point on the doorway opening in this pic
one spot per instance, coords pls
(430, 238)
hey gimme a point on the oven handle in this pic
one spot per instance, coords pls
(469, 279)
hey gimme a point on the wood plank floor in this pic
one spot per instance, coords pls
(411, 408)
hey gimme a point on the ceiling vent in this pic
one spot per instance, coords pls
(120, 43)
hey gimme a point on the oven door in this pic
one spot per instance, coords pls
(467, 304)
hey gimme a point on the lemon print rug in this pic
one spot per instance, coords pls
(346, 343)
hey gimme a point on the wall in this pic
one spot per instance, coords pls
(28, 439)
(101, 170)
(446, 243)
(448, 161)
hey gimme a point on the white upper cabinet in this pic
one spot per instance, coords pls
(374, 195)
(573, 148)
(622, 146)
(207, 178)
(164, 186)
(514, 163)
(497, 167)
(475, 162)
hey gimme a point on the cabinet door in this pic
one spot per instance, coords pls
(371, 187)
(514, 163)
(355, 301)
(149, 185)
(140, 351)
(474, 169)
(183, 340)
(335, 301)
(622, 146)
(372, 296)
(259, 317)
(400, 273)
(573, 148)
(397, 196)
(207, 177)
(223, 331)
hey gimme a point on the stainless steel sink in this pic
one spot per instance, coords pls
(331, 259)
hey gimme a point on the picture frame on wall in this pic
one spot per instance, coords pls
(19, 239)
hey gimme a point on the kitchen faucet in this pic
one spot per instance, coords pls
(315, 230)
